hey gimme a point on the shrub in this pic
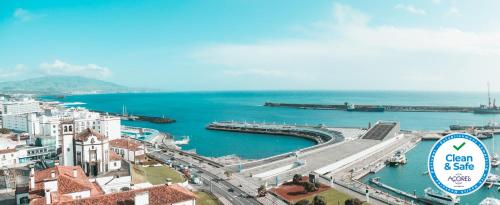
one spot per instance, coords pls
(353, 201)
(297, 178)
(302, 202)
(309, 187)
(319, 200)
(4, 131)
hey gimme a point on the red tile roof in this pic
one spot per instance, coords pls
(8, 150)
(66, 183)
(85, 134)
(158, 195)
(114, 157)
(130, 144)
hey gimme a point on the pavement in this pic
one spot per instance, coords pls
(213, 178)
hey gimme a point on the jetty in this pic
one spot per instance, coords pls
(377, 182)
(371, 108)
(152, 119)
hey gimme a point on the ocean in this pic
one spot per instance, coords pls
(195, 110)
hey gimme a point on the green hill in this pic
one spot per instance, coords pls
(61, 85)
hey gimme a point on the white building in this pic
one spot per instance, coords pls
(82, 119)
(8, 153)
(23, 106)
(129, 149)
(88, 149)
(14, 114)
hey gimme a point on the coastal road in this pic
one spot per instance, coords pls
(217, 185)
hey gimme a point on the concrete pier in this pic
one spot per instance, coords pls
(386, 108)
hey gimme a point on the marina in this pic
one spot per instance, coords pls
(413, 169)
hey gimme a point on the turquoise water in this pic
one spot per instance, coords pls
(194, 110)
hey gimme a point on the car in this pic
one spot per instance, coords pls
(230, 190)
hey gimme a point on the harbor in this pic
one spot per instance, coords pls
(374, 108)
(243, 146)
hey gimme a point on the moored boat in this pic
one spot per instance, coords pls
(440, 198)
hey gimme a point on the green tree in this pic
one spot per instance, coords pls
(319, 200)
(309, 187)
(302, 202)
(262, 190)
(4, 131)
(353, 201)
(297, 178)
(228, 173)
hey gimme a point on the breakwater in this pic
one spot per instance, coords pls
(152, 119)
(386, 108)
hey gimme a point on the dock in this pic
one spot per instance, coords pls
(152, 119)
(385, 108)
(377, 182)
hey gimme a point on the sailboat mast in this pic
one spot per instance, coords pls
(489, 97)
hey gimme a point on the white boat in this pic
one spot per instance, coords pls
(494, 160)
(440, 198)
(490, 201)
(184, 141)
(494, 157)
(398, 158)
(493, 179)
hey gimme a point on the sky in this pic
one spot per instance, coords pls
(436, 45)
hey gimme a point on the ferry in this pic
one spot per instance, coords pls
(398, 158)
(440, 198)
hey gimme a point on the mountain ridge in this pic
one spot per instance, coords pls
(63, 85)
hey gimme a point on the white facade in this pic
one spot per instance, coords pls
(82, 119)
(24, 106)
(9, 155)
(15, 122)
(15, 113)
(67, 157)
(114, 165)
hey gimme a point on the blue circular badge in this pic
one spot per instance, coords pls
(459, 164)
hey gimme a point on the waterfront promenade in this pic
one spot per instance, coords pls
(339, 159)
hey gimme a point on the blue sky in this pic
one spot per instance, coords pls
(256, 45)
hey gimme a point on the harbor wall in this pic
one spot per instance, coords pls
(387, 108)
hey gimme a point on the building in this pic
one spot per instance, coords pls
(129, 149)
(14, 114)
(88, 149)
(81, 118)
(9, 154)
(23, 106)
(14, 152)
(69, 185)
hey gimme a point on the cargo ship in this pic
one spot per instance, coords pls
(490, 108)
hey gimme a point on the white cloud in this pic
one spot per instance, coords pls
(349, 53)
(13, 73)
(22, 15)
(436, 1)
(410, 9)
(59, 67)
(453, 11)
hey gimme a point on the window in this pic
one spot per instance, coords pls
(114, 164)
(65, 128)
(70, 128)
(68, 149)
